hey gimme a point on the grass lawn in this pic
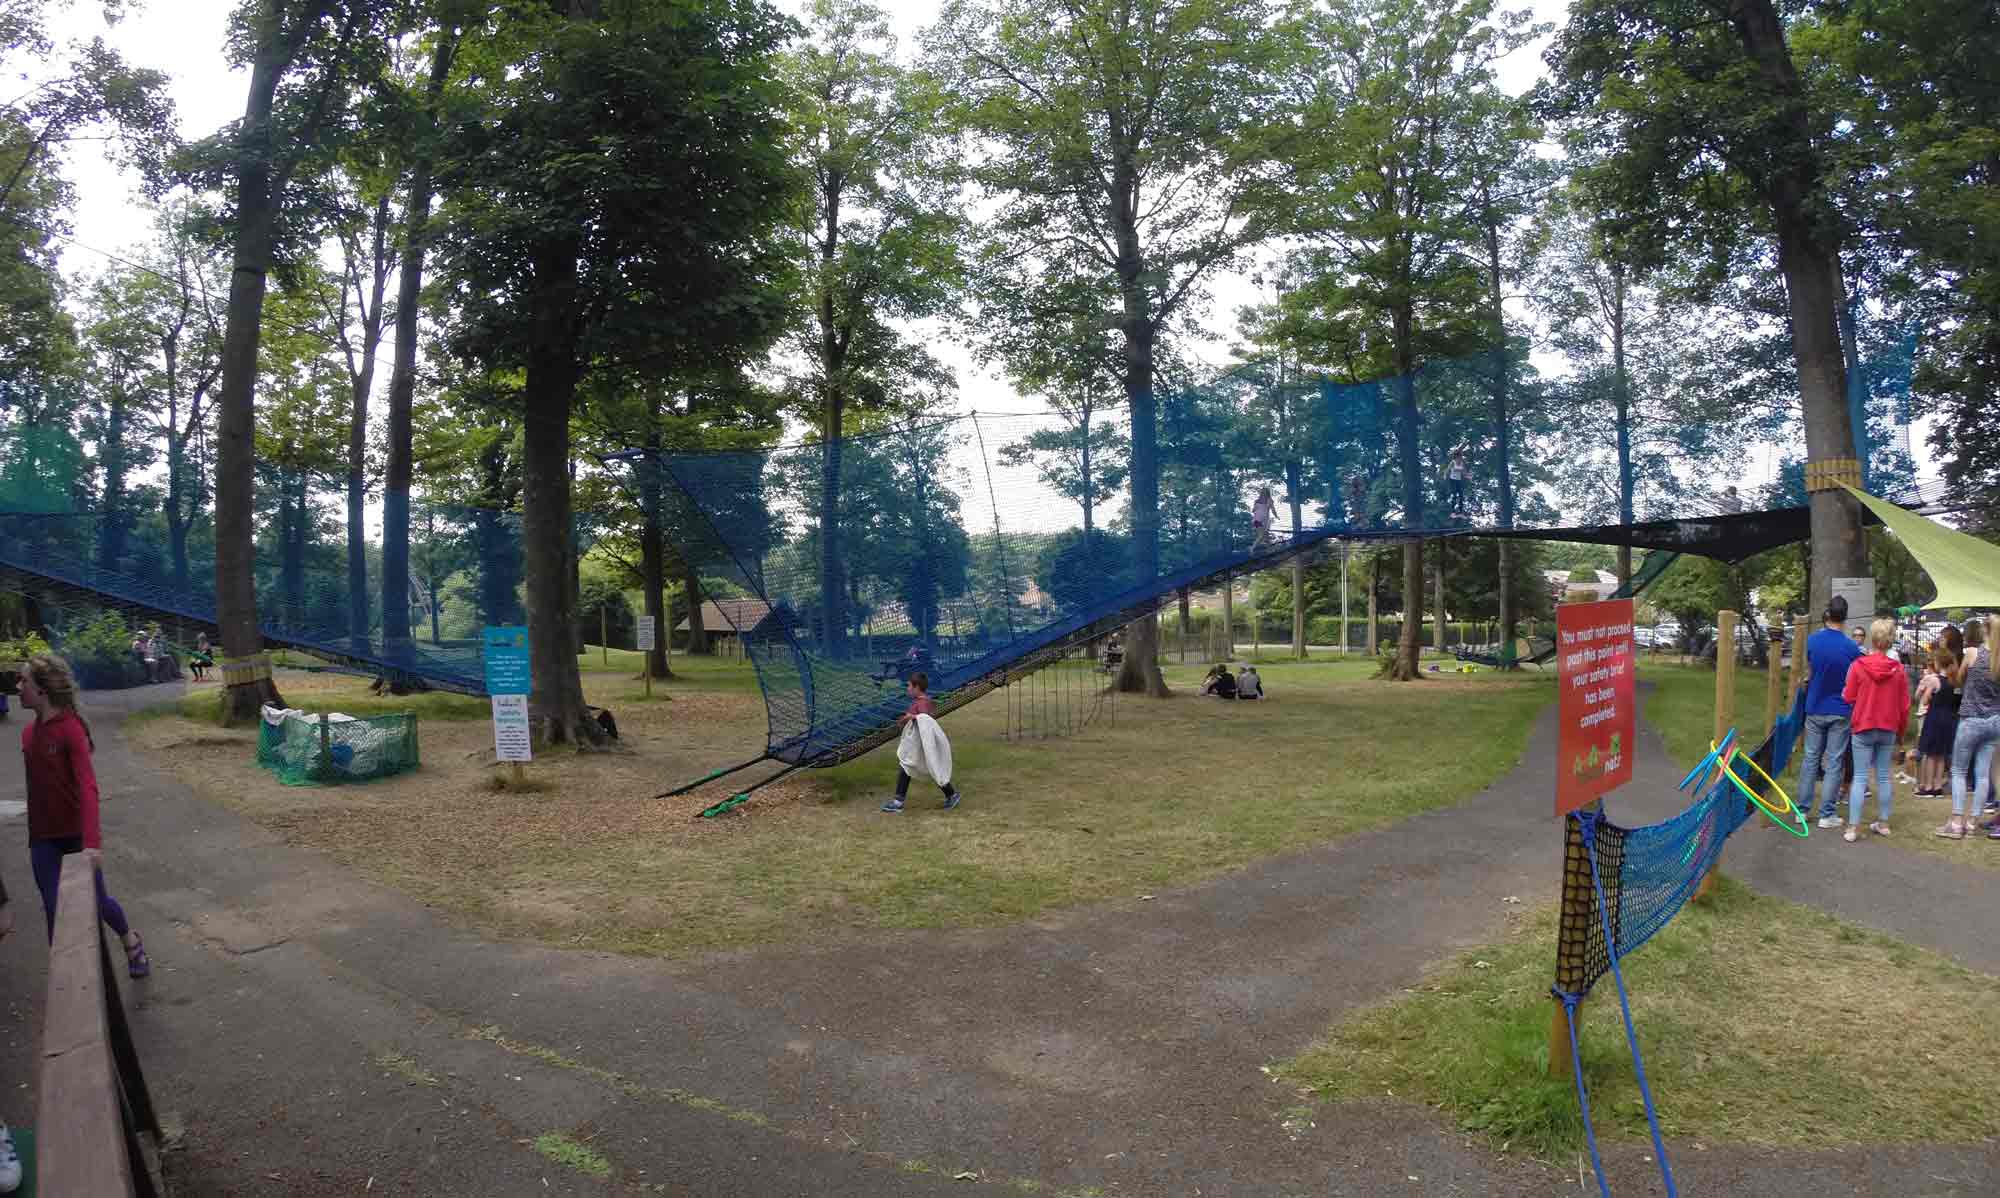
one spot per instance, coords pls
(1129, 805)
(1761, 1021)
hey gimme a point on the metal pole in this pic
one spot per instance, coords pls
(1343, 598)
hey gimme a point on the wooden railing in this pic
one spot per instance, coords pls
(94, 1104)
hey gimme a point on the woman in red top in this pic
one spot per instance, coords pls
(1880, 693)
(62, 796)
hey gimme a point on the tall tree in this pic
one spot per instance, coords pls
(1120, 141)
(305, 57)
(1712, 136)
(420, 149)
(876, 244)
(1407, 126)
(357, 321)
(570, 251)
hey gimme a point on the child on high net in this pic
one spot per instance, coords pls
(62, 797)
(1880, 693)
(923, 747)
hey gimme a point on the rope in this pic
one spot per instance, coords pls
(1589, 820)
(1569, 1002)
(711, 776)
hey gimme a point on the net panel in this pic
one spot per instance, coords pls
(303, 749)
(956, 547)
(1650, 873)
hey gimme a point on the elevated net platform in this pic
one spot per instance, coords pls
(976, 547)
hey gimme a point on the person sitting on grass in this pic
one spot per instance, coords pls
(923, 748)
(1221, 683)
(1880, 693)
(1248, 685)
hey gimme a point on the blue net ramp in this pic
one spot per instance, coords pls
(975, 547)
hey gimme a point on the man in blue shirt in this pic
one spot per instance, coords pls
(1828, 654)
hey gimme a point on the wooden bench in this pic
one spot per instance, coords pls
(94, 1103)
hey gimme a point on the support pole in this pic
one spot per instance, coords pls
(1773, 684)
(1725, 711)
(1799, 665)
(1576, 925)
(1343, 599)
(604, 633)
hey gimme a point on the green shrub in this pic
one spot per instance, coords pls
(99, 652)
(21, 648)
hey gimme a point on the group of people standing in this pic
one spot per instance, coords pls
(1857, 710)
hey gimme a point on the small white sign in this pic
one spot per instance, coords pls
(645, 634)
(513, 739)
(1860, 595)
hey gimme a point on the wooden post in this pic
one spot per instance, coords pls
(1800, 669)
(1725, 710)
(1725, 672)
(604, 631)
(519, 776)
(1576, 929)
(1773, 684)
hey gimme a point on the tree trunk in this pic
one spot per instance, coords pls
(556, 703)
(1443, 628)
(1404, 668)
(1228, 618)
(1504, 467)
(357, 435)
(1187, 615)
(398, 472)
(1374, 606)
(1294, 492)
(699, 643)
(653, 559)
(112, 454)
(236, 419)
(1621, 401)
(1140, 671)
(1807, 260)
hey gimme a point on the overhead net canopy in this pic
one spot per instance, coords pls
(973, 548)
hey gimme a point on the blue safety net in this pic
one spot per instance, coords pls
(1647, 874)
(969, 547)
(974, 546)
(80, 549)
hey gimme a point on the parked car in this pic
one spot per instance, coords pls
(1642, 636)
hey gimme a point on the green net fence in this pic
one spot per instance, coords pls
(307, 749)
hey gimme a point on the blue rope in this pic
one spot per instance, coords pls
(1589, 820)
(1569, 1002)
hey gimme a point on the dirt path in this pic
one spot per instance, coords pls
(315, 1031)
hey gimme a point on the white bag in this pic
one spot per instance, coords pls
(924, 751)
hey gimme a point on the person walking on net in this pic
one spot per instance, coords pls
(1829, 653)
(923, 747)
(1455, 476)
(1260, 518)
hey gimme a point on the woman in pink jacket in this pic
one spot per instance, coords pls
(1880, 693)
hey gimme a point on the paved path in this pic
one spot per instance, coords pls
(313, 1032)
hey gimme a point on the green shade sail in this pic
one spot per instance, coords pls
(1965, 568)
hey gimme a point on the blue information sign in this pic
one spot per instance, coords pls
(506, 653)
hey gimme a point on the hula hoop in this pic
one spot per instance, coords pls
(1777, 814)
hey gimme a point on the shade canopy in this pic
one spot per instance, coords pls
(1965, 568)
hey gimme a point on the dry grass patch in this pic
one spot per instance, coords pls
(1762, 1022)
(1164, 792)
